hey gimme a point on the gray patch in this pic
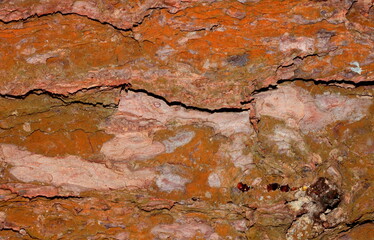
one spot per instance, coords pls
(171, 182)
(178, 140)
(238, 60)
(214, 180)
(325, 34)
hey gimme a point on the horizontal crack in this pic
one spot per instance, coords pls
(326, 83)
(64, 98)
(127, 87)
(36, 198)
(67, 14)
(177, 103)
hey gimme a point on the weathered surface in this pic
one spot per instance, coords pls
(210, 54)
(175, 169)
(161, 119)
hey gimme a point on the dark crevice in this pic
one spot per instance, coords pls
(146, 16)
(9, 229)
(264, 89)
(309, 55)
(64, 98)
(31, 92)
(210, 28)
(350, 7)
(176, 103)
(357, 223)
(134, 24)
(67, 14)
(372, 6)
(247, 102)
(111, 105)
(314, 81)
(36, 198)
(327, 83)
(298, 58)
(352, 225)
(155, 209)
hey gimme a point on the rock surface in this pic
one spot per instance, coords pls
(190, 119)
(209, 54)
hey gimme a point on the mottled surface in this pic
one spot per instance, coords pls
(186, 119)
(167, 171)
(209, 54)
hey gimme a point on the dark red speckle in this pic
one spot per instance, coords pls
(285, 188)
(243, 187)
(272, 187)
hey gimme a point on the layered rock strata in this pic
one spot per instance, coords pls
(145, 119)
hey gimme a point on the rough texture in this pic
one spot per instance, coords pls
(210, 54)
(186, 119)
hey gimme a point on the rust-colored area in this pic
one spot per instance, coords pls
(209, 54)
(189, 190)
(46, 125)
(174, 119)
